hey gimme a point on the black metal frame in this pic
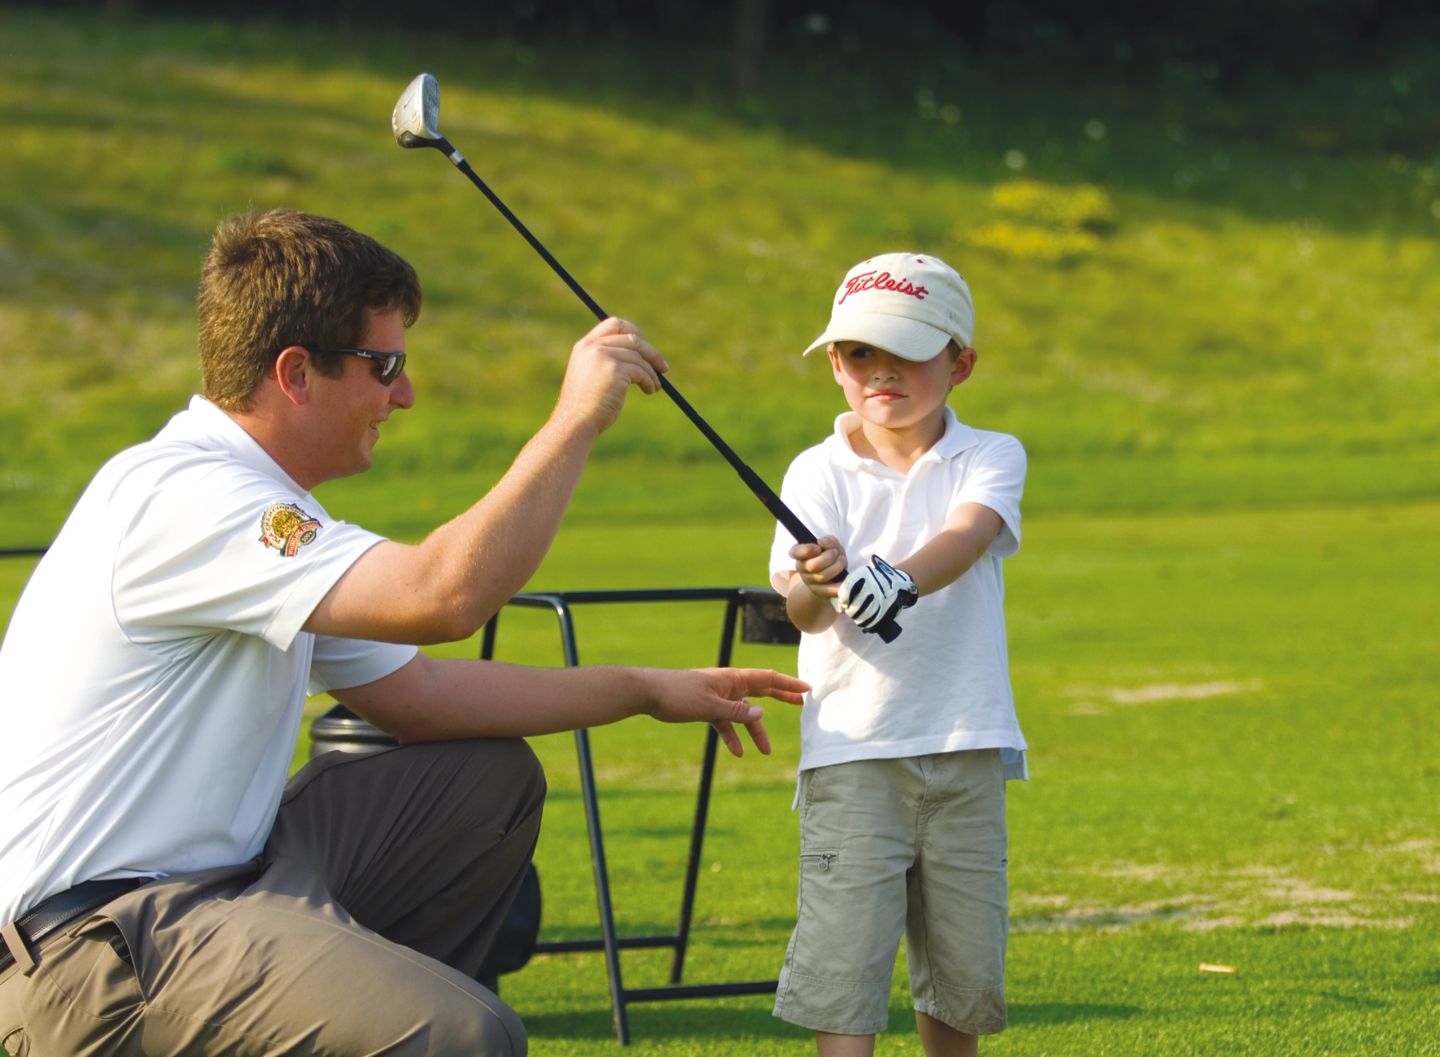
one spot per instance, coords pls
(736, 599)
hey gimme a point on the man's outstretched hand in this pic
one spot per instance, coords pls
(717, 696)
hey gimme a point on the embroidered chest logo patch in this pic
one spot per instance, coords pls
(287, 528)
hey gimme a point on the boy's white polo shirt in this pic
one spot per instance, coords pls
(155, 671)
(944, 684)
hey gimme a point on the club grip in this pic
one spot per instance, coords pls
(889, 631)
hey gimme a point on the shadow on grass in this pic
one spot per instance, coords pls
(1353, 1001)
(663, 1020)
(1051, 1013)
(666, 1020)
(703, 934)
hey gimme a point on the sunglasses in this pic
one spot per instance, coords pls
(389, 364)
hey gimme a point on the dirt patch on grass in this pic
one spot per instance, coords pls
(1425, 851)
(1098, 700)
(1028, 917)
(1250, 897)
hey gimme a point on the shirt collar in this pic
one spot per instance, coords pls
(956, 438)
(204, 425)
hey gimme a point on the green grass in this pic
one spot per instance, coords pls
(1222, 621)
(1251, 327)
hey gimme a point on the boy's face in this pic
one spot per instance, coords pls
(893, 393)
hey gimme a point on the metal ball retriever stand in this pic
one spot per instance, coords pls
(760, 614)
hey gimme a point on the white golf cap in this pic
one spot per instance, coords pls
(905, 303)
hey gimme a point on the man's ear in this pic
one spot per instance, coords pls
(964, 365)
(294, 370)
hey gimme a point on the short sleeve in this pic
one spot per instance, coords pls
(995, 477)
(340, 663)
(807, 492)
(228, 550)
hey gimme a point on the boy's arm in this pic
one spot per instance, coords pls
(810, 587)
(945, 558)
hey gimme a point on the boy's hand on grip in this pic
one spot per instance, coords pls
(874, 593)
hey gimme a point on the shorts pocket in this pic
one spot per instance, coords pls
(823, 861)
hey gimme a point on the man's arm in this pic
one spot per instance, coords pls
(447, 586)
(432, 699)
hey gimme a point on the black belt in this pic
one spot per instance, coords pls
(54, 912)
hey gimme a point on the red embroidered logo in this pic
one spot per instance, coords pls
(287, 528)
(881, 281)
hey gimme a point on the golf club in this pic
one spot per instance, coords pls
(415, 122)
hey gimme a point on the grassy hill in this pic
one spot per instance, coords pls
(1188, 295)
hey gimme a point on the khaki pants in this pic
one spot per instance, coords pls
(359, 929)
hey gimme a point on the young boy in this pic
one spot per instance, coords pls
(905, 745)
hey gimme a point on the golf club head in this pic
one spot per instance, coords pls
(416, 117)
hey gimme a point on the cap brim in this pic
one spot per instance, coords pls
(907, 338)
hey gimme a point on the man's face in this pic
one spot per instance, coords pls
(356, 402)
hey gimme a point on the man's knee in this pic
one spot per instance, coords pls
(488, 1027)
(520, 761)
(505, 769)
(498, 779)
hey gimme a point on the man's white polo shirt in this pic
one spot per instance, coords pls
(944, 684)
(155, 672)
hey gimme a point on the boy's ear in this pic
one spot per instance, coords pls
(964, 365)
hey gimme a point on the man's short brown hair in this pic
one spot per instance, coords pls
(282, 278)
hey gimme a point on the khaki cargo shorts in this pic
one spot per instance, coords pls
(914, 845)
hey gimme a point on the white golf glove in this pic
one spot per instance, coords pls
(873, 594)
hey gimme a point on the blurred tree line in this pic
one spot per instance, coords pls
(1236, 37)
